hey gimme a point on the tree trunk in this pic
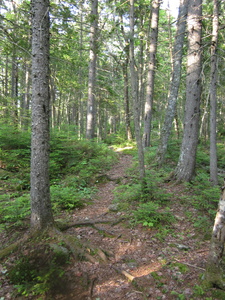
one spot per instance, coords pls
(136, 112)
(213, 97)
(41, 210)
(90, 130)
(126, 99)
(151, 72)
(186, 164)
(214, 273)
(175, 81)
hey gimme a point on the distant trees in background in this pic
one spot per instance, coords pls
(93, 98)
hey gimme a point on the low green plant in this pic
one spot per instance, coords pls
(39, 271)
(14, 209)
(66, 197)
(179, 296)
(148, 214)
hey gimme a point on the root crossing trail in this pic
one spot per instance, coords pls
(127, 262)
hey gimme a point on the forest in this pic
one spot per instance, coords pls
(112, 150)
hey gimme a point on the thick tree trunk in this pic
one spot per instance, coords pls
(134, 89)
(41, 211)
(151, 72)
(175, 81)
(91, 109)
(213, 97)
(214, 273)
(186, 164)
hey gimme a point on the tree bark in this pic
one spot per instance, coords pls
(41, 210)
(126, 98)
(213, 97)
(214, 274)
(185, 169)
(90, 130)
(151, 72)
(136, 112)
(175, 81)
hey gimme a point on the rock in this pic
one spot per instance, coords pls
(113, 207)
(182, 247)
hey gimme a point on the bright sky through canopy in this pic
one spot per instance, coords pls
(172, 5)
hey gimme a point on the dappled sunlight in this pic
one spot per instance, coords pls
(121, 149)
(147, 269)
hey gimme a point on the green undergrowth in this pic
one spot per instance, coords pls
(150, 205)
(75, 166)
(39, 266)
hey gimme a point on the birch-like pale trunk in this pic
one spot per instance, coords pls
(91, 109)
(214, 272)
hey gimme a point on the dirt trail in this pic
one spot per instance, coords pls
(134, 263)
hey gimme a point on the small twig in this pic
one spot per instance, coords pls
(193, 266)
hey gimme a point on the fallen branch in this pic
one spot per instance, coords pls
(82, 223)
(193, 266)
(125, 273)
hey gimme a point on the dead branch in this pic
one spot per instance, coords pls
(193, 266)
(125, 273)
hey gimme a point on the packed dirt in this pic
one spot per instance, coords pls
(133, 263)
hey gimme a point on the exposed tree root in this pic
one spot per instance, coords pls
(14, 246)
(91, 223)
(125, 273)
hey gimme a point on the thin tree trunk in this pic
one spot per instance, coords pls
(213, 97)
(126, 99)
(14, 87)
(151, 72)
(175, 81)
(136, 112)
(185, 169)
(91, 109)
(41, 210)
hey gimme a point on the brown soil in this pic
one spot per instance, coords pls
(133, 263)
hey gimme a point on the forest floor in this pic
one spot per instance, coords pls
(133, 263)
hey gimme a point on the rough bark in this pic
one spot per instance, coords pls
(90, 129)
(213, 96)
(134, 94)
(213, 269)
(175, 81)
(126, 99)
(41, 211)
(185, 169)
(151, 72)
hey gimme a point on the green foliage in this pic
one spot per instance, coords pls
(205, 197)
(14, 148)
(81, 157)
(40, 270)
(68, 197)
(74, 167)
(14, 209)
(149, 214)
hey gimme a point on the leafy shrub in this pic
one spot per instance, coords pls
(149, 214)
(205, 197)
(14, 209)
(68, 197)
